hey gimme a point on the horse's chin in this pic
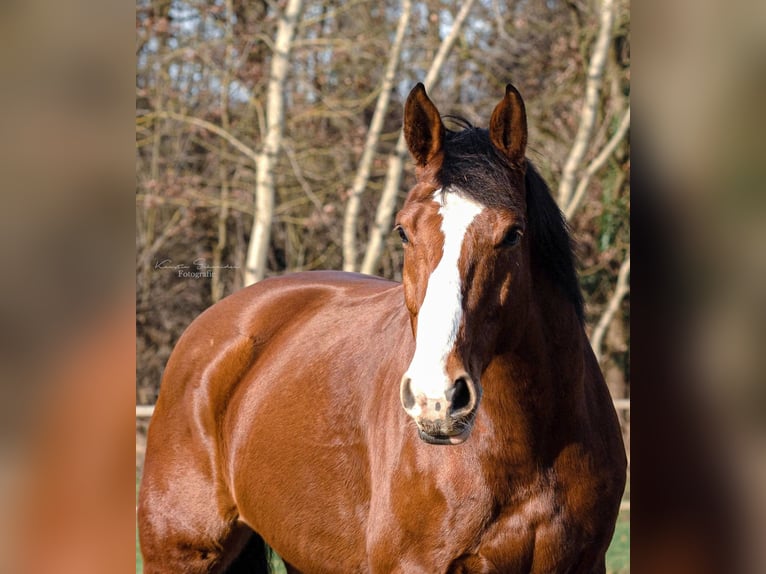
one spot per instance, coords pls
(445, 439)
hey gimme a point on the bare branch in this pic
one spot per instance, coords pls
(290, 152)
(597, 163)
(620, 290)
(396, 159)
(216, 284)
(170, 228)
(373, 135)
(590, 103)
(211, 127)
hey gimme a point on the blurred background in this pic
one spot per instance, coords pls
(132, 137)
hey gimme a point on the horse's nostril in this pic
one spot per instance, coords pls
(408, 399)
(461, 395)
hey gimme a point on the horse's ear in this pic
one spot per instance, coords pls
(423, 127)
(508, 126)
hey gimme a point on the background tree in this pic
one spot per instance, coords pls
(255, 267)
(351, 217)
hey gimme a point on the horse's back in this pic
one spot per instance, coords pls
(220, 345)
(252, 384)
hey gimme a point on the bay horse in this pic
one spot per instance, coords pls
(456, 422)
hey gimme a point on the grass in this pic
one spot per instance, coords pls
(139, 559)
(277, 566)
(618, 555)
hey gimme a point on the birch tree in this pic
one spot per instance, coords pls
(590, 105)
(596, 164)
(622, 288)
(576, 178)
(370, 146)
(258, 248)
(396, 160)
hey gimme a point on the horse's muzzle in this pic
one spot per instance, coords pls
(444, 419)
(458, 434)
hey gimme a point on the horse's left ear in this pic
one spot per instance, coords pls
(508, 126)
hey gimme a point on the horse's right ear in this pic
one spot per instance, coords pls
(423, 127)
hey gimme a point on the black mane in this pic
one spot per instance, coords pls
(551, 242)
(474, 165)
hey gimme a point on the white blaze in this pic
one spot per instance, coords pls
(442, 310)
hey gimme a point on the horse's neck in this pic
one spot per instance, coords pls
(535, 392)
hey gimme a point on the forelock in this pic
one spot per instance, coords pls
(472, 164)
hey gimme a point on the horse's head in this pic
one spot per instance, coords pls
(466, 269)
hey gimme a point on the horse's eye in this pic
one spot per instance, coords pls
(402, 234)
(513, 236)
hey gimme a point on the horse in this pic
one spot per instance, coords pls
(454, 422)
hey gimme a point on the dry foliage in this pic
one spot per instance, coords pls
(201, 98)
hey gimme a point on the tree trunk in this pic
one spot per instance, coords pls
(255, 266)
(590, 104)
(620, 291)
(595, 165)
(396, 159)
(371, 143)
